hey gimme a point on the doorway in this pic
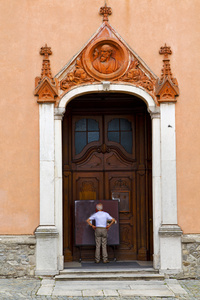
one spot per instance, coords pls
(107, 154)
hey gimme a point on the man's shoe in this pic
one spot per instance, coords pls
(106, 261)
(97, 261)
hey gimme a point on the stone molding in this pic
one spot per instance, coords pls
(59, 113)
(46, 232)
(113, 87)
(170, 230)
(18, 239)
(154, 112)
(190, 238)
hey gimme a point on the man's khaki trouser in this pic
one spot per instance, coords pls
(101, 239)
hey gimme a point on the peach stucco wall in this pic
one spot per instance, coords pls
(65, 25)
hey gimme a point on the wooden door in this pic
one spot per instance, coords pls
(107, 155)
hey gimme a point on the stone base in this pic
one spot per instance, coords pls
(17, 255)
(46, 251)
(170, 249)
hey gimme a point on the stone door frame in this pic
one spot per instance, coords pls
(167, 256)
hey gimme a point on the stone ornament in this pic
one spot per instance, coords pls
(138, 77)
(46, 85)
(105, 59)
(166, 88)
(105, 11)
(104, 62)
(76, 76)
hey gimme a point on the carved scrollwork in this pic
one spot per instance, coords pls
(125, 239)
(137, 76)
(87, 186)
(106, 58)
(76, 76)
(103, 149)
(87, 190)
(119, 184)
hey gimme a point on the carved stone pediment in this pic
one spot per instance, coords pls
(106, 57)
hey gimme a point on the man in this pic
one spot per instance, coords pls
(101, 228)
(105, 64)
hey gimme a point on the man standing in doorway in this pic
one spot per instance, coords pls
(101, 233)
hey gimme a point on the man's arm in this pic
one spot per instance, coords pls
(112, 222)
(89, 223)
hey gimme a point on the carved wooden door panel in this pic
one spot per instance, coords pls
(122, 186)
(108, 156)
(86, 186)
(120, 166)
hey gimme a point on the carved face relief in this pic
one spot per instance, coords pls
(105, 62)
(105, 59)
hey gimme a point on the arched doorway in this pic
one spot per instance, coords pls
(79, 77)
(107, 151)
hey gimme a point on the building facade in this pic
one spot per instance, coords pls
(114, 111)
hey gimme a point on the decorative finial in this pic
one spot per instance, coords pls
(166, 70)
(165, 50)
(45, 86)
(166, 88)
(46, 51)
(105, 11)
(46, 68)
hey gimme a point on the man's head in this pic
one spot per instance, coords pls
(99, 206)
(106, 52)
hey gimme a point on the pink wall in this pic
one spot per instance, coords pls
(26, 25)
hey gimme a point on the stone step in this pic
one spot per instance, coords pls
(107, 275)
(108, 270)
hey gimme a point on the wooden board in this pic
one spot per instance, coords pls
(84, 234)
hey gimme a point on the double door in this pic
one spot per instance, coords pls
(107, 155)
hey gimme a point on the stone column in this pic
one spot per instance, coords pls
(170, 232)
(58, 115)
(156, 182)
(46, 233)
